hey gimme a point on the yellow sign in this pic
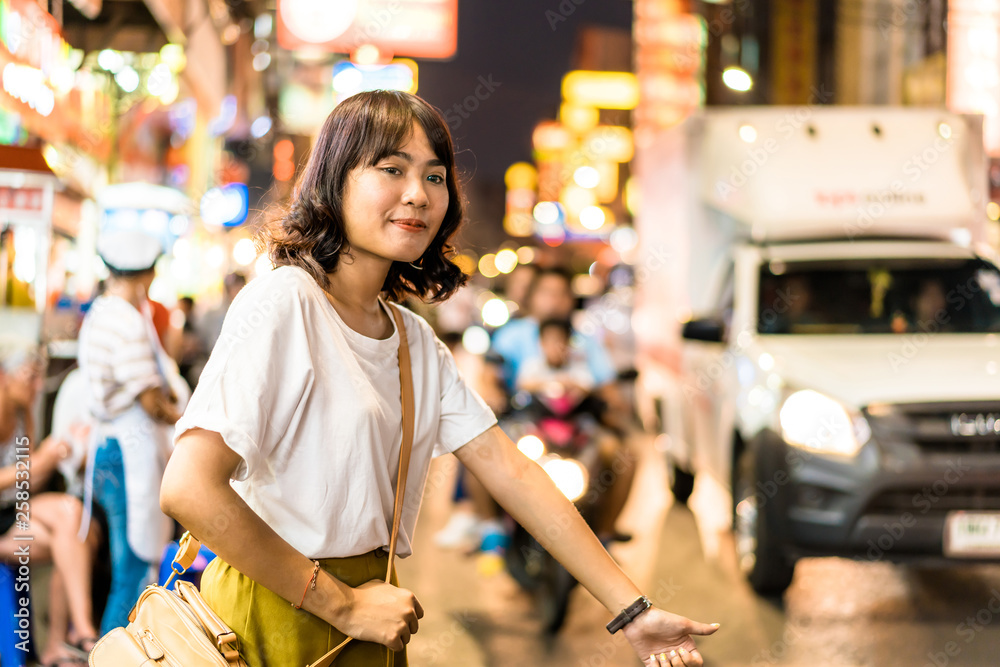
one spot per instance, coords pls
(604, 90)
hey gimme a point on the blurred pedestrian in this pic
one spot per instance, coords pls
(49, 520)
(186, 345)
(211, 324)
(296, 425)
(136, 396)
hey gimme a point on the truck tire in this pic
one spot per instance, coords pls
(681, 481)
(759, 553)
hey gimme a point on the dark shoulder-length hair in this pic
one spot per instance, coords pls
(361, 131)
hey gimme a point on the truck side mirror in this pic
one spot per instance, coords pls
(707, 329)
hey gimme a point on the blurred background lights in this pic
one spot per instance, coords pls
(532, 447)
(465, 262)
(495, 313)
(262, 265)
(215, 256)
(159, 80)
(587, 177)
(127, 78)
(178, 225)
(993, 210)
(25, 250)
(173, 56)
(476, 340)
(367, 54)
(487, 266)
(592, 217)
(546, 212)
(737, 79)
(624, 239)
(348, 81)
(111, 60)
(505, 261)
(944, 129)
(260, 126)
(261, 61)
(244, 252)
(262, 26)
(526, 254)
(748, 133)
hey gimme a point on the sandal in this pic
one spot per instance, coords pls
(81, 648)
(65, 661)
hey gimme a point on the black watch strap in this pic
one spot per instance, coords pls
(628, 614)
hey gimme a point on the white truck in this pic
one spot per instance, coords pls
(819, 329)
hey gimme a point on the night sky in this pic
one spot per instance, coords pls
(510, 43)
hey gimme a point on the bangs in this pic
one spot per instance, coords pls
(389, 125)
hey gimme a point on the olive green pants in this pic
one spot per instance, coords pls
(272, 633)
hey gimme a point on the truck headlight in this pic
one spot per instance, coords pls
(569, 476)
(816, 422)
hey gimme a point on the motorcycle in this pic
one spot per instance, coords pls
(564, 442)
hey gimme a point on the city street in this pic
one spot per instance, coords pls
(837, 613)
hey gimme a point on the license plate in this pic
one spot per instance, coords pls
(972, 534)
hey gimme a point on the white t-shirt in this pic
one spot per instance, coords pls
(313, 409)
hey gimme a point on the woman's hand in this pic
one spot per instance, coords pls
(660, 638)
(382, 613)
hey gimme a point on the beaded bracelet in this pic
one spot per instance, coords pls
(309, 586)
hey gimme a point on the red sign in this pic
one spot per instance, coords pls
(21, 199)
(415, 28)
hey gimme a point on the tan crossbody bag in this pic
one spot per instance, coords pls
(177, 628)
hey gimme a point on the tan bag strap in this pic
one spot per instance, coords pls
(406, 388)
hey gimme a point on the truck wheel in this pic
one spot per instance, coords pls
(681, 481)
(758, 552)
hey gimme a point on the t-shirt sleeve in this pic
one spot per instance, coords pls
(259, 371)
(464, 414)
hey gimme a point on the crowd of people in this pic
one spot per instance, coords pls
(112, 427)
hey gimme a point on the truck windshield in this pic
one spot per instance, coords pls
(895, 296)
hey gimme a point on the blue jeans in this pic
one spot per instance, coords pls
(129, 573)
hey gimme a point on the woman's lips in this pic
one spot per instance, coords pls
(410, 224)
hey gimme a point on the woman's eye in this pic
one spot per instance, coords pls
(392, 170)
(436, 178)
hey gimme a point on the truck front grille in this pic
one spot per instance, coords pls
(939, 428)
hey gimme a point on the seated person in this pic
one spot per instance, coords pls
(52, 520)
(560, 377)
(928, 310)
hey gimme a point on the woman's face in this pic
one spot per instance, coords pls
(393, 209)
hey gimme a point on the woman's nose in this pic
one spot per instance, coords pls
(416, 194)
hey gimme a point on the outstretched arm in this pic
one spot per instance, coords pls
(526, 492)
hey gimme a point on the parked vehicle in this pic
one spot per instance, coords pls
(841, 373)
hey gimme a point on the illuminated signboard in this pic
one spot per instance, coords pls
(32, 36)
(350, 79)
(226, 205)
(415, 28)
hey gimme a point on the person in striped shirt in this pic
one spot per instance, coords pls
(136, 395)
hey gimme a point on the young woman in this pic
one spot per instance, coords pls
(299, 406)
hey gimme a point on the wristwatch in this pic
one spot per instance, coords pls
(628, 614)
